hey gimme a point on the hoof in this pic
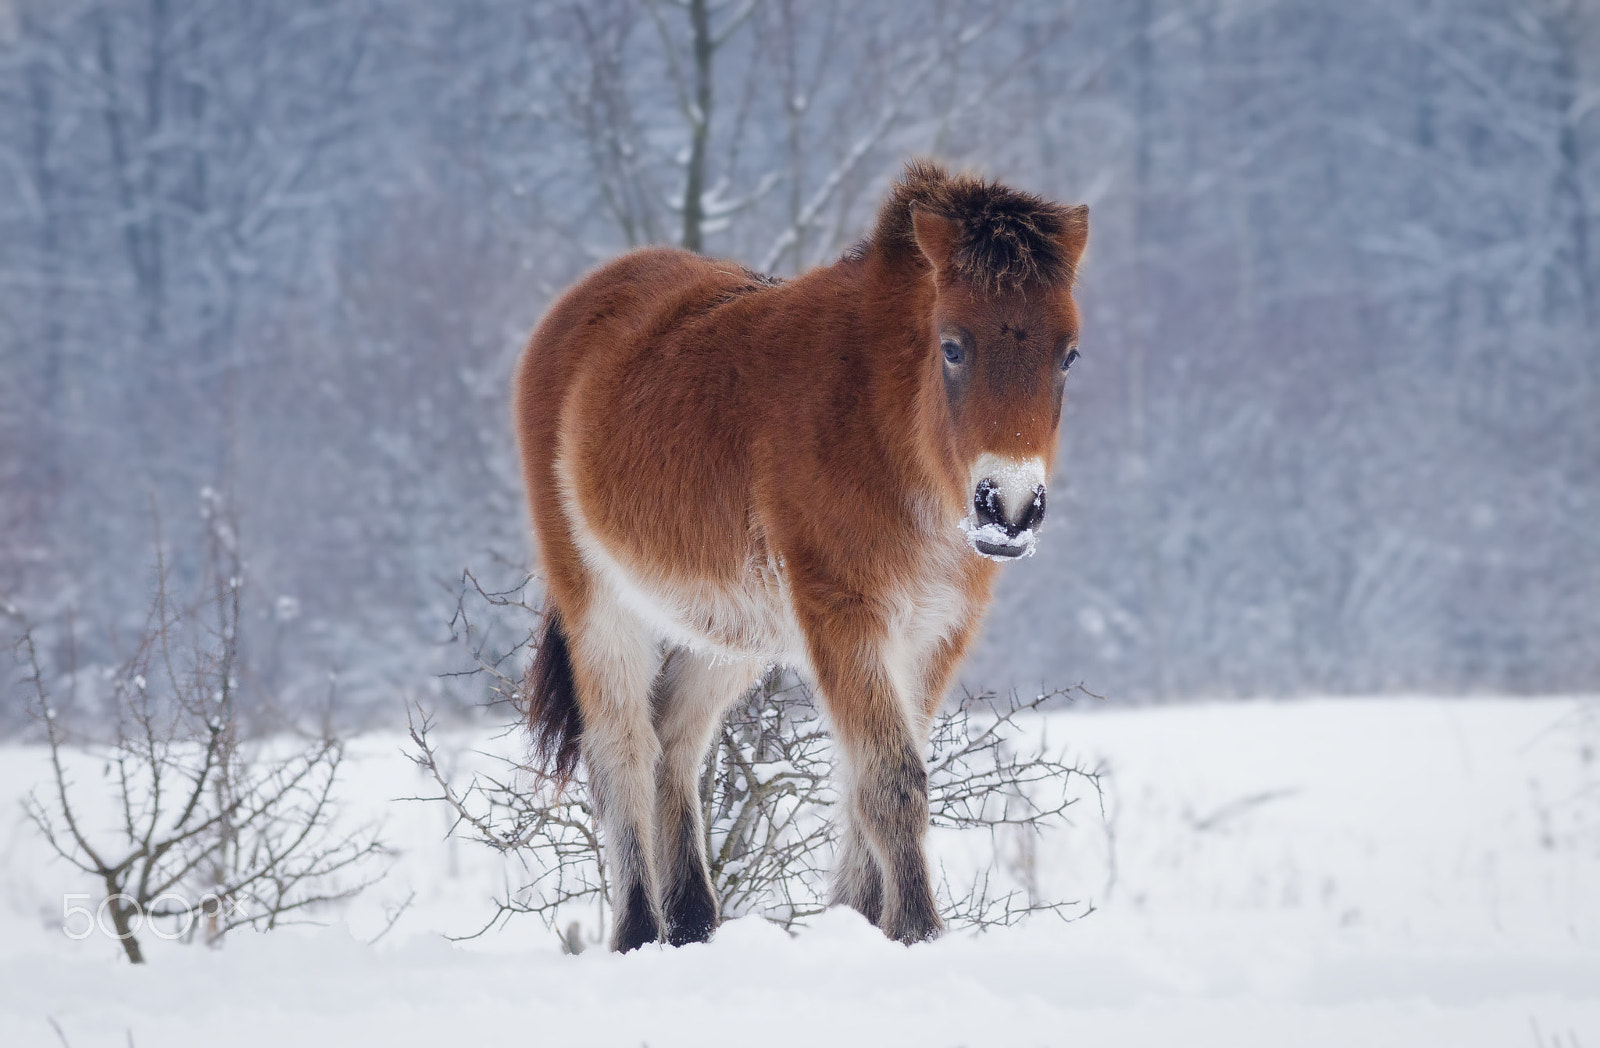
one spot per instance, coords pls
(637, 925)
(692, 915)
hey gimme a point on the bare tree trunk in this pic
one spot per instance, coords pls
(122, 920)
(699, 127)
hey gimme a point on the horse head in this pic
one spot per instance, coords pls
(1003, 333)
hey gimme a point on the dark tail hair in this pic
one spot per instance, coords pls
(554, 720)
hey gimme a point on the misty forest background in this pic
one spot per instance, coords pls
(1336, 428)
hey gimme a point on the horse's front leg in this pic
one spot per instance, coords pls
(883, 868)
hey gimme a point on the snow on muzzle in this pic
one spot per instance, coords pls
(1007, 506)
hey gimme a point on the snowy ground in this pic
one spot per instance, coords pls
(1345, 872)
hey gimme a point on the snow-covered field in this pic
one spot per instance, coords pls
(1412, 872)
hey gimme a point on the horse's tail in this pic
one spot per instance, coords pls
(554, 720)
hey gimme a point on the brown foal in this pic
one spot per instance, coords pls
(728, 472)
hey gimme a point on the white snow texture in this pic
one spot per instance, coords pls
(1414, 873)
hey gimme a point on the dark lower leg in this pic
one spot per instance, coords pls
(623, 794)
(688, 902)
(692, 696)
(614, 660)
(638, 919)
(891, 803)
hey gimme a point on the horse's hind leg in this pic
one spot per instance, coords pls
(692, 697)
(614, 660)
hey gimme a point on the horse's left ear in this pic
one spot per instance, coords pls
(935, 236)
(1074, 235)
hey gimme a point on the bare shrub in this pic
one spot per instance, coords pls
(979, 781)
(508, 807)
(554, 834)
(210, 831)
(767, 795)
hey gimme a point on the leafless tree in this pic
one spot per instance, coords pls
(210, 830)
(762, 122)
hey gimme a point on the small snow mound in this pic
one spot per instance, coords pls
(841, 924)
(750, 931)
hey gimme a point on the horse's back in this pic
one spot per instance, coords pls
(596, 317)
(634, 416)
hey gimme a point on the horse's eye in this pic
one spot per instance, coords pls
(1066, 361)
(952, 350)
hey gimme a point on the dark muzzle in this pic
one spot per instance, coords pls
(999, 534)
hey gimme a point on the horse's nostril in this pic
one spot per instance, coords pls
(1033, 516)
(987, 506)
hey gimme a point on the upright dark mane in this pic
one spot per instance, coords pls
(1008, 238)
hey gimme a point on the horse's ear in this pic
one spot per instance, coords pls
(936, 237)
(1074, 235)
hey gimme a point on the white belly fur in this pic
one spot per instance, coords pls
(756, 620)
